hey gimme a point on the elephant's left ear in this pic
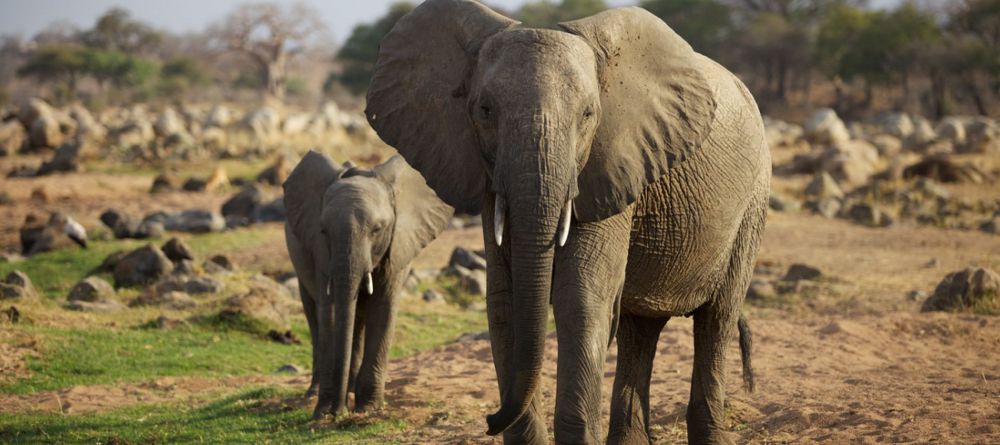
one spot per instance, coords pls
(420, 214)
(656, 107)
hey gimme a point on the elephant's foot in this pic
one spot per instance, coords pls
(326, 406)
(312, 391)
(628, 437)
(715, 437)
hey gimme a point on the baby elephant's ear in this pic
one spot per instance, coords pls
(304, 191)
(420, 214)
(657, 107)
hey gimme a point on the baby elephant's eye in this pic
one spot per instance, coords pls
(485, 111)
(588, 113)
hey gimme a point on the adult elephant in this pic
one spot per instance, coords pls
(352, 235)
(628, 177)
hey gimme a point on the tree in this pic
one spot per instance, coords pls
(269, 35)
(361, 48)
(116, 30)
(705, 24)
(55, 64)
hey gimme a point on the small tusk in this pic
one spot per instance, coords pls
(369, 286)
(499, 214)
(567, 216)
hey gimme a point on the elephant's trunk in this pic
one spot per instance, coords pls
(536, 200)
(351, 277)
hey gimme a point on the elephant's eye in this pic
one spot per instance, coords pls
(588, 113)
(485, 111)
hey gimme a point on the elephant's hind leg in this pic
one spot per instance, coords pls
(714, 325)
(637, 337)
(309, 307)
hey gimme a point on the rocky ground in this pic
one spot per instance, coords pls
(858, 258)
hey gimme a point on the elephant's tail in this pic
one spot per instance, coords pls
(746, 344)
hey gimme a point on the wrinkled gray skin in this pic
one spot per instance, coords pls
(344, 223)
(659, 149)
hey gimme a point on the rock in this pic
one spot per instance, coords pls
(800, 271)
(932, 189)
(824, 186)
(222, 262)
(214, 138)
(897, 124)
(138, 132)
(87, 128)
(824, 127)
(194, 185)
(271, 304)
(244, 202)
(264, 123)
(219, 117)
(916, 295)
(273, 211)
(290, 369)
(189, 285)
(17, 286)
(761, 290)
(45, 132)
(851, 162)
(869, 215)
(184, 267)
(12, 137)
(175, 299)
(887, 145)
(991, 225)
(10, 315)
(922, 135)
(91, 289)
(943, 170)
(166, 182)
(142, 266)
(432, 296)
(169, 123)
(467, 259)
(96, 306)
(286, 338)
(827, 207)
(5, 198)
(65, 159)
(38, 238)
(472, 281)
(983, 136)
(191, 221)
(177, 250)
(781, 203)
(953, 130)
(276, 173)
(973, 288)
(110, 261)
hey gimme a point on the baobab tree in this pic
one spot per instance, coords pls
(269, 34)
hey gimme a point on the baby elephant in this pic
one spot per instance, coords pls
(352, 235)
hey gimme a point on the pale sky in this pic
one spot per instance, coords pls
(27, 17)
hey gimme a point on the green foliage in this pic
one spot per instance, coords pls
(116, 30)
(54, 63)
(546, 13)
(256, 415)
(361, 48)
(705, 24)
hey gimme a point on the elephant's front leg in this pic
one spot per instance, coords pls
(530, 428)
(587, 277)
(380, 320)
(309, 307)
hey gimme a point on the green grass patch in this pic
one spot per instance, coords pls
(430, 327)
(106, 356)
(251, 416)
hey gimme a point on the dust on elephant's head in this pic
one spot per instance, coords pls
(598, 109)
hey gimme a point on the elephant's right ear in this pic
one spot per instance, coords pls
(304, 191)
(416, 100)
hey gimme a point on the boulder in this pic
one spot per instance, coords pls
(142, 266)
(276, 173)
(264, 123)
(824, 127)
(244, 203)
(91, 289)
(983, 136)
(219, 117)
(177, 250)
(870, 215)
(470, 281)
(466, 258)
(214, 138)
(65, 159)
(897, 124)
(296, 123)
(17, 286)
(827, 207)
(974, 288)
(12, 137)
(800, 271)
(166, 182)
(781, 203)
(169, 123)
(887, 145)
(266, 300)
(220, 263)
(189, 285)
(138, 132)
(96, 306)
(273, 211)
(942, 169)
(851, 162)
(87, 128)
(433, 296)
(991, 225)
(761, 290)
(923, 133)
(824, 186)
(190, 221)
(33, 109)
(952, 129)
(45, 132)
(37, 237)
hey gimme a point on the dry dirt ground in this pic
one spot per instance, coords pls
(853, 361)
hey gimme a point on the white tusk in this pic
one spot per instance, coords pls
(369, 286)
(567, 215)
(499, 214)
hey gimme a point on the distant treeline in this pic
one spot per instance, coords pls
(793, 54)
